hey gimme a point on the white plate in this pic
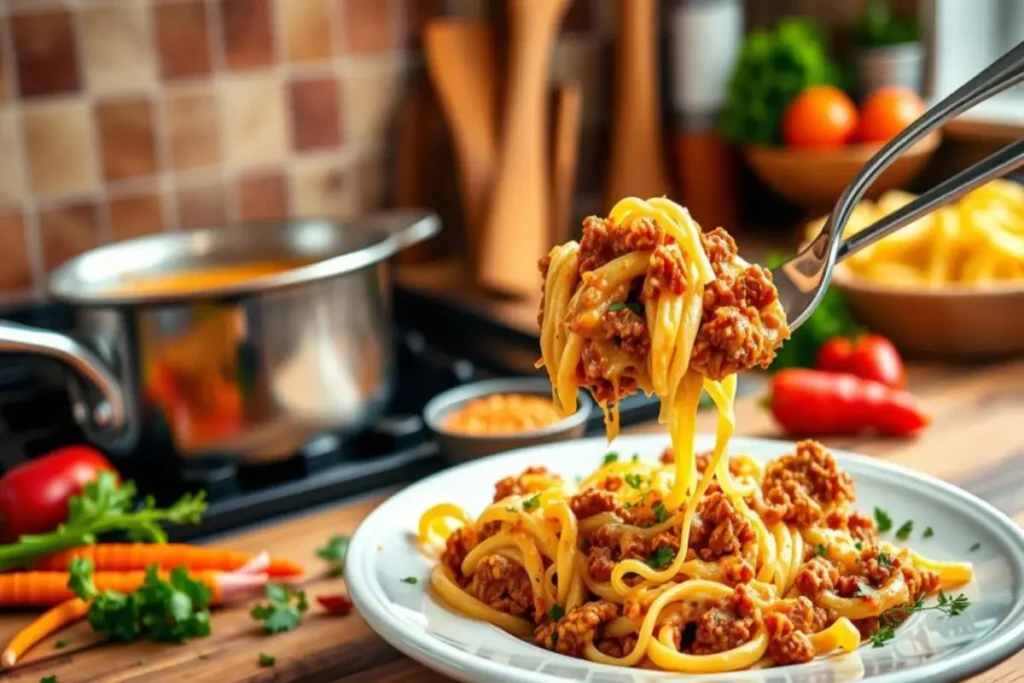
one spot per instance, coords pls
(930, 647)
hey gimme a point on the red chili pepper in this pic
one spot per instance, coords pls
(338, 603)
(34, 495)
(818, 403)
(870, 356)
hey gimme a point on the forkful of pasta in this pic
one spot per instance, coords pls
(801, 282)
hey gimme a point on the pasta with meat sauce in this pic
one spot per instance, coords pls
(695, 563)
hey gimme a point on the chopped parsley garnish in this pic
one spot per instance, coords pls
(267, 660)
(661, 557)
(61, 643)
(974, 547)
(858, 545)
(334, 552)
(610, 457)
(556, 612)
(928, 533)
(49, 679)
(820, 550)
(884, 561)
(882, 520)
(907, 528)
(412, 580)
(616, 306)
(950, 605)
(634, 480)
(532, 503)
(283, 610)
(660, 512)
(636, 457)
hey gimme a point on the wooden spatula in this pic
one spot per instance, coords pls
(564, 156)
(516, 230)
(637, 163)
(460, 59)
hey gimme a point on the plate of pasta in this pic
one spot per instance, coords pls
(946, 283)
(444, 570)
(740, 558)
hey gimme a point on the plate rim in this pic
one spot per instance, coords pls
(418, 644)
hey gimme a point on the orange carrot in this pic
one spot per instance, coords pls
(34, 589)
(126, 557)
(51, 621)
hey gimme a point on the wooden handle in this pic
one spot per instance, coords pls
(568, 113)
(460, 59)
(637, 162)
(517, 225)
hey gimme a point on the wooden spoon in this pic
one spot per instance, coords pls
(460, 59)
(516, 230)
(637, 163)
(564, 157)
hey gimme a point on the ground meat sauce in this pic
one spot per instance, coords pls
(518, 486)
(727, 624)
(580, 626)
(503, 585)
(799, 487)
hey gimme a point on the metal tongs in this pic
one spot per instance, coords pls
(802, 280)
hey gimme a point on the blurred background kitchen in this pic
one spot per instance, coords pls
(510, 120)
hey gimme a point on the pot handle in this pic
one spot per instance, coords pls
(109, 413)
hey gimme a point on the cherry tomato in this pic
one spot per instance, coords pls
(870, 356)
(886, 112)
(34, 495)
(822, 116)
(339, 603)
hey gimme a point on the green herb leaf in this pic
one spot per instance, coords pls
(882, 520)
(616, 306)
(661, 557)
(52, 678)
(610, 457)
(858, 545)
(412, 580)
(660, 512)
(820, 550)
(974, 547)
(283, 610)
(334, 552)
(61, 643)
(556, 612)
(635, 458)
(928, 533)
(267, 660)
(884, 561)
(889, 620)
(532, 503)
(907, 528)
(634, 480)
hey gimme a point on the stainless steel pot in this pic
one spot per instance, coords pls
(250, 370)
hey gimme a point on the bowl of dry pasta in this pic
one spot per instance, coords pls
(950, 284)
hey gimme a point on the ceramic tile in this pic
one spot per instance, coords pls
(201, 206)
(67, 231)
(306, 26)
(369, 25)
(58, 137)
(44, 47)
(117, 49)
(254, 128)
(262, 197)
(182, 36)
(413, 15)
(135, 215)
(315, 116)
(15, 263)
(12, 177)
(127, 143)
(192, 127)
(248, 37)
(371, 97)
(322, 187)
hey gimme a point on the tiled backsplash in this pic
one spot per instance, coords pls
(125, 117)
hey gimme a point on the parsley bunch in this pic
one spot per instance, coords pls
(103, 507)
(171, 610)
(334, 552)
(283, 610)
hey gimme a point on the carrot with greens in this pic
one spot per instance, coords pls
(49, 622)
(126, 557)
(34, 589)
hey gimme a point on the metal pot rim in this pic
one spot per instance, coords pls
(324, 248)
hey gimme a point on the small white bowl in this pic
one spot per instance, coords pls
(459, 447)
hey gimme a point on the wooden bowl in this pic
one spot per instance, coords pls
(814, 179)
(956, 321)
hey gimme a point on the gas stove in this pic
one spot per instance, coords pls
(440, 345)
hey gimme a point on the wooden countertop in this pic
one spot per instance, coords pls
(976, 441)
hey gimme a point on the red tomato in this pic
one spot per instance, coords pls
(820, 117)
(339, 603)
(34, 495)
(870, 356)
(888, 111)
